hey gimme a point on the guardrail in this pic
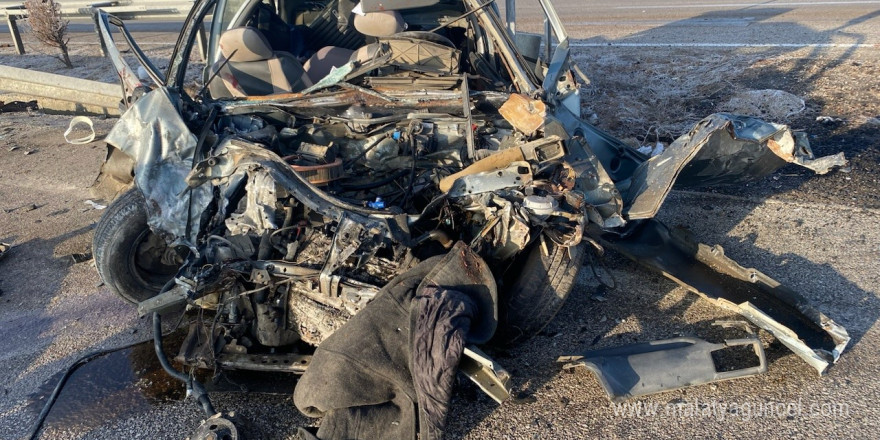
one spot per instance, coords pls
(15, 11)
(94, 94)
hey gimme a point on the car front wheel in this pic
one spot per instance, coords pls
(541, 284)
(131, 260)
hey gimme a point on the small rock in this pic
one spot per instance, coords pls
(524, 398)
(95, 205)
(652, 150)
(829, 120)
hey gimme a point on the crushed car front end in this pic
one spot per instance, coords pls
(284, 215)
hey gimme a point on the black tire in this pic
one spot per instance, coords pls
(538, 292)
(128, 255)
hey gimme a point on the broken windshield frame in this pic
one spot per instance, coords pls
(230, 13)
(523, 78)
(185, 42)
(560, 59)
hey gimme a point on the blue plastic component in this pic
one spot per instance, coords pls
(378, 204)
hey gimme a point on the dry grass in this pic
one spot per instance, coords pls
(644, 95)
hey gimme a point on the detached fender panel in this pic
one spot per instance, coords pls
(705, 270)
(721, 149)
(161, 146)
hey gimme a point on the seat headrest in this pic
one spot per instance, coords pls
(379, 24)
(245, 44)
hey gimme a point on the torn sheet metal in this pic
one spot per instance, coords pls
(234, 157)
(491, 377)
(807, 159)
(652, 367)
(512, 231)
(154, 135)
(721, 149)
(526, 115)
(702, 269)
(539, 151)
(518, 174)
(259, 213)
(115, 176)
(604, 202)
(132, 87)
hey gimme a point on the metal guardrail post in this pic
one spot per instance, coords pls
(11, 21)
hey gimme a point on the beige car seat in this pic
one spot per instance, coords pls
(253, 69)
(373, 24)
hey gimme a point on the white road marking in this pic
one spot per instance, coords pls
(796, 45)
(747, 5)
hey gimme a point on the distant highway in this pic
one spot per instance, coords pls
(719, 22)
(699, 23)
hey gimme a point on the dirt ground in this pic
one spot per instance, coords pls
(817, 234)
(639, 94)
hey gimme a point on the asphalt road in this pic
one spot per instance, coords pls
(713, 22)
(53, 311)
(654, 22)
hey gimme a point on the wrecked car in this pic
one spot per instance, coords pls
(366, 193)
